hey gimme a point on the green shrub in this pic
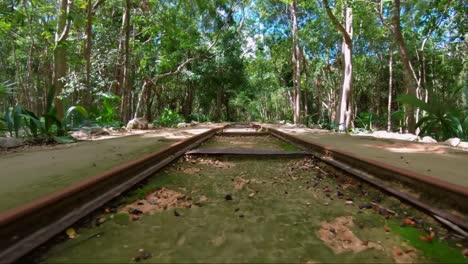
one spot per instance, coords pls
(107, 115)
(364, 120)
(170, 118)
(442, 120)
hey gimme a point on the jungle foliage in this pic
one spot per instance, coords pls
(229, 60)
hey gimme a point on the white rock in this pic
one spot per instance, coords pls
(181, 125)
(463, 145)
(79, 134)
(137, 123)
(392, 135)
(10, 142)
(99, 131)
(194, 123)
(453, 142)
(428, 139)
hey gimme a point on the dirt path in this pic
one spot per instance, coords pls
(27, 175)
(439, 161)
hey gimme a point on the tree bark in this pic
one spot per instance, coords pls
(344, 108)
(408, 72)
(188, 102)
(296, 60)
(60, 53)
(125, 89)
(219, 102)
(390, 88)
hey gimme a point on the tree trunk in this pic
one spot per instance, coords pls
(296, 60)
(60, 53)
(88, 49)
(408, 72)
(125, 89)
(390, 88)
(188, 102)
(344, 107)
(318, 87)
(219, 102)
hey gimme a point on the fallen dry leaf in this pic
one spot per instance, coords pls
(397, 251)
(408, 221)
(428, 238)
(71, 233)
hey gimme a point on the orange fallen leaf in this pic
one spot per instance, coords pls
(428, 238)
(408, 221)
(397, 251)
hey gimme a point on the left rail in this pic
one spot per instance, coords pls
(26, 227)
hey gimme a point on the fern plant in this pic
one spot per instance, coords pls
(441, 120)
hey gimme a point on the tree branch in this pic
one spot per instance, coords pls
(337, 23)
(67, 25)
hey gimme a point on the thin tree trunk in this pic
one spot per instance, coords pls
(88, 49)
(390, 88)
(410, 83)
(219, 102)
(125, 89)
(60, 53)
(345, 108)
(296, 59)
(188, 102)
(318, 87)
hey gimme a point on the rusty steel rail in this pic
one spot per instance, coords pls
(24, 228)
(370, 170)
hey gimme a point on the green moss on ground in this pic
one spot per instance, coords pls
(437, 250)
(278, 224)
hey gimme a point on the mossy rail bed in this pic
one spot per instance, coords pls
(245, 209)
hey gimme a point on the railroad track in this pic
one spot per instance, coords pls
(24, 228)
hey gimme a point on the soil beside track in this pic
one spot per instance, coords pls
(26, 176)
(442, 162)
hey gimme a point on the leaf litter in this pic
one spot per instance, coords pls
(337, 235)
(158, 201)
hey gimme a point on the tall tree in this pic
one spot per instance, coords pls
(60, 52)
(346, 30)
(296, 60)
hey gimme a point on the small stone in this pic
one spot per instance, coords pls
(135, 212)
(177, 213)
(237, 210)
(135, 217)
(453, 142)
(428, 139)
(241, 216)
(251, 195)
(349, 202)
(228, 197)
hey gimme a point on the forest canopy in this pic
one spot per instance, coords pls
(336, 64)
